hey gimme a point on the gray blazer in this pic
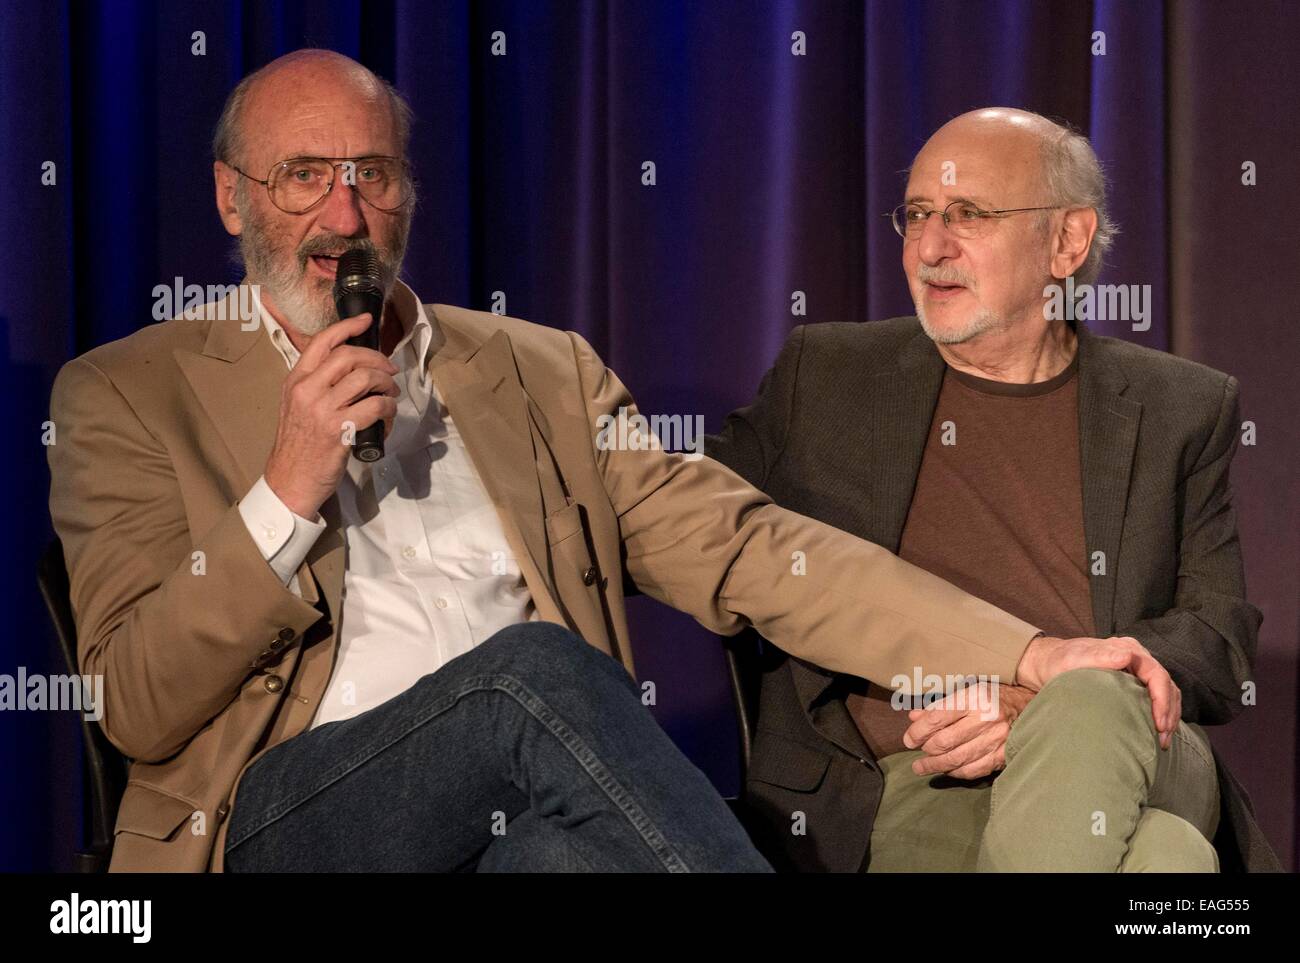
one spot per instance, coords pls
(838, 431)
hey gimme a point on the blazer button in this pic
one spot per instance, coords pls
(273, 683)
(589, 576)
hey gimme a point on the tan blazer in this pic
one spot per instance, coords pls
(209, 660)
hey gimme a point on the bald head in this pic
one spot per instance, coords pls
(995, 139)
(1026, 160)
(312, 86)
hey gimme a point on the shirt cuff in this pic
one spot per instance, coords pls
(283, 537)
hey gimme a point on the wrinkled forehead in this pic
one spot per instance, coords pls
(993, 167)
(317, 110)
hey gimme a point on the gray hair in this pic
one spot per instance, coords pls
(228, 141)
(1074, 178)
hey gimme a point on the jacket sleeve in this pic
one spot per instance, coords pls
(698, 537)
(1207, 640)
(171, 622)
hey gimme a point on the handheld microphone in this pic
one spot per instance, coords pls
(358, 288)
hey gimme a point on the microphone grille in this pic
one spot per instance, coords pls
(358, 264)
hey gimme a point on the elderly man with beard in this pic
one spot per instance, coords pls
(1080, 482)
(320, 664)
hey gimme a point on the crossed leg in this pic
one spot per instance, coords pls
(1086, 788)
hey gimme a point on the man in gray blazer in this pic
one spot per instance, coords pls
(1077, 481)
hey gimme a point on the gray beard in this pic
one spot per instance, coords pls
(983, 320)
(310, 312)
(305, 301)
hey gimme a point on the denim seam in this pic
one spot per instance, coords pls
(530, 702)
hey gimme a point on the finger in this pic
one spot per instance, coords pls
(358, 383)
(947, 762)
(1158, 682)
(1175, 707)
(962, 754)
(930, 722)
(986, 765)
(369, 410)
(1176, 714)
(329, 339)
(343, 361)
(950, 737)
(944, 716)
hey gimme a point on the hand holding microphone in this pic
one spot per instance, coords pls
(338, 379)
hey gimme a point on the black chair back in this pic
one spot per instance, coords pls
(745, 654)
(105, 767)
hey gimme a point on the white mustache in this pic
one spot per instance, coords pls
(927, 275)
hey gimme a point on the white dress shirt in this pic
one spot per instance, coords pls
(429, 573)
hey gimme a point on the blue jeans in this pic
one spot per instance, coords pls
(531, 753)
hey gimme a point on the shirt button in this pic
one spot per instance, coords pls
(440, 602)
(270, 531)
(273, 683)
(409, 552)
(222, 812)
(286, 634)
(589, 577)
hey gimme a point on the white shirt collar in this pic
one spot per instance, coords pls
(419, 333)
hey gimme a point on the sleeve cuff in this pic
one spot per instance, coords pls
(283, 537)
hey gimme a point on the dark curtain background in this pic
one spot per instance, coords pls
(772, 172)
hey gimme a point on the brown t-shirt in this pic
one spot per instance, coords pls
(998, 512)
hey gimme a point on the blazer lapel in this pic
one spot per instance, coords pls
(900, 404)
(1108, 429)
(237, 380)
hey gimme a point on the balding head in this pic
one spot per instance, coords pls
(261, 97)
(995, 138)
(1038, 157)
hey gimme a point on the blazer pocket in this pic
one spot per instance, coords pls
(146, 811)
(563, 523)
(783, 762)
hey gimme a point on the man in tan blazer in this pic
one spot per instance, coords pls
(390, 653)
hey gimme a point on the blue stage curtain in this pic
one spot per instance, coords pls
(772, 171)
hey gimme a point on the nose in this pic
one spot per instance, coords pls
(341, 210)
(936, 242)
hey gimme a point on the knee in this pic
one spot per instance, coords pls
(1092, 700)
(1165, 843)
(533, 650)
(532, 844)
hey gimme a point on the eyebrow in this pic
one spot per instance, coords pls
(977, 201)
(353, 157)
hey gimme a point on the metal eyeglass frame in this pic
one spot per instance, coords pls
(335, 163)
(901, 231)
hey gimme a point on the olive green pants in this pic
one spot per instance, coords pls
(1086, 788)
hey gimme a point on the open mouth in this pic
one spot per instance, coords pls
(327, 264)
(943, 289)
